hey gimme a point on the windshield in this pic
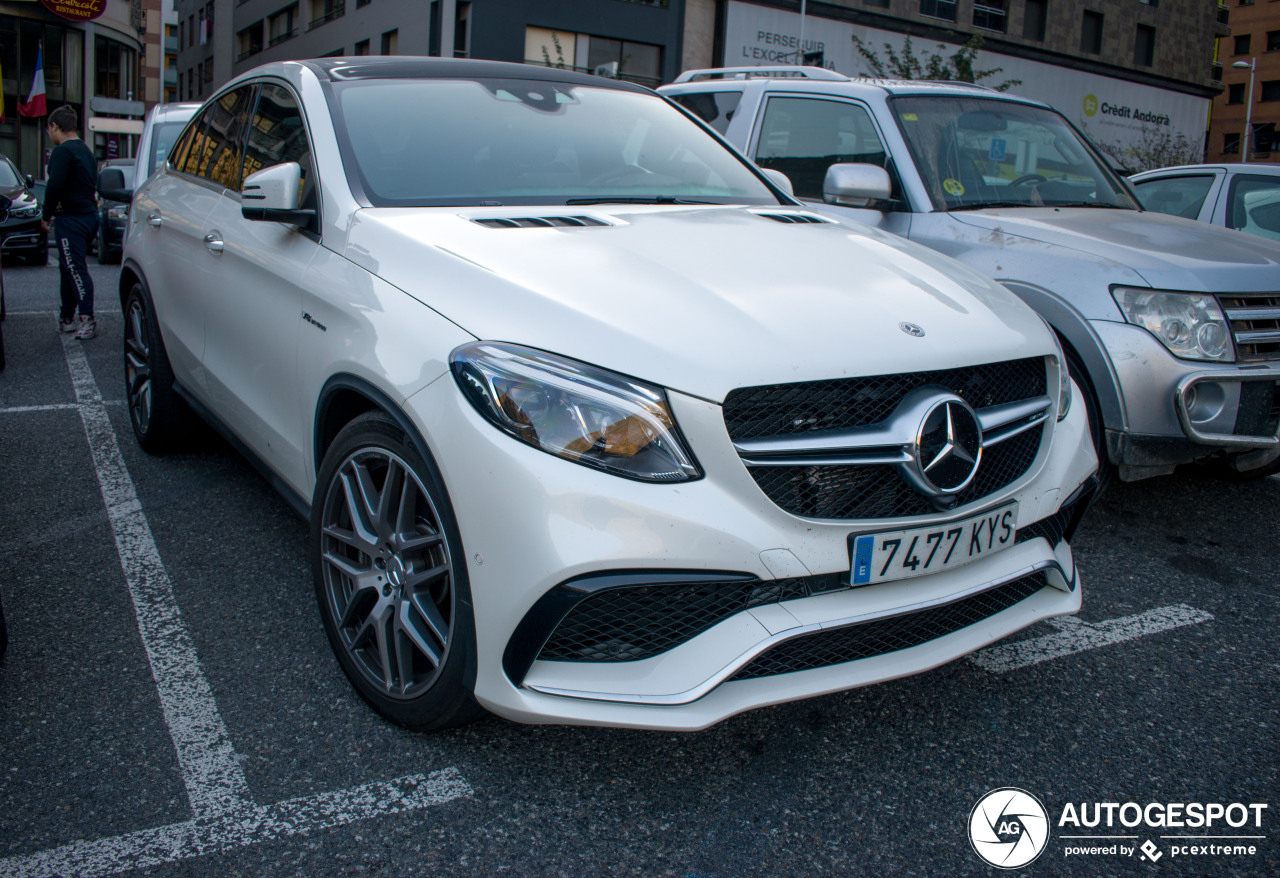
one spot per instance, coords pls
(977, 152)
(162, 137)
(446, 142)
(9, 176)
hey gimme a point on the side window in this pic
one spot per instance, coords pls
(1180, 196)
(802, 137)
(182, 149)
(217, 147)
(1253, 205)
(279, 135)
(716, 108)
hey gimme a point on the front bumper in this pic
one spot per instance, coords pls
(531, 522)
(23, 236)
(1179, 411)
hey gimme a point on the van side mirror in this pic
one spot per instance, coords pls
(111, 186)
(851, 185)
(271, 195)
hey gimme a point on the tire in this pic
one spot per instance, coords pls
(1222, 469)
(390, 577)
(157, 413)
(1106, 469)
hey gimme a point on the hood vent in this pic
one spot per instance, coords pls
(538, 222)
(793, 218)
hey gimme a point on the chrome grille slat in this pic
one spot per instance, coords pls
(1254, 319)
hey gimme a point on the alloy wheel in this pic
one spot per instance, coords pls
(388, 579)
(137, 364)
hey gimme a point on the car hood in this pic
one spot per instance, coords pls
(1168, 252)
(700, 299)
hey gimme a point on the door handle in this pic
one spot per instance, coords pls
(155, 220)
(214, 242)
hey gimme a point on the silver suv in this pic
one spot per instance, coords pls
(1171, 327)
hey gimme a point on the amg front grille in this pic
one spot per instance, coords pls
(878, 491)
(880, 636)
(1255, 324)
(784, 409)
(833, 489)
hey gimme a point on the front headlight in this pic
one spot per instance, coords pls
(567, 408)
(26, 212)
(1191, 325)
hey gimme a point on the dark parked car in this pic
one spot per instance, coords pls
(112, 215)
(21, 233)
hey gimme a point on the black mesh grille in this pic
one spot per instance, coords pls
(1252, 313)
(637, 622)
(840, 645)
(1259, 412)
(879, 492)
(786, 409)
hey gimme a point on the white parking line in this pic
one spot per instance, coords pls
(225, 816)
(1075, 636)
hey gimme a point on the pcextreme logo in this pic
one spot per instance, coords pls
(1009, 828)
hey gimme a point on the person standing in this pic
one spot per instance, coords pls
(71, 206)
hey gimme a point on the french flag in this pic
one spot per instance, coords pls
(35, 105)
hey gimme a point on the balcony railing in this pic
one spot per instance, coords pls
(337, 11)
(282, 38)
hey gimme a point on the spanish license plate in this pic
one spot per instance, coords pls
(901, 554)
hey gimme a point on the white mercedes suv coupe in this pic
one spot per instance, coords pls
(592, 422)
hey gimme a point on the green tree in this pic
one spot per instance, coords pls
(958, 67)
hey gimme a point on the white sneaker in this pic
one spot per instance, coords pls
(68, 325)
(88, 328)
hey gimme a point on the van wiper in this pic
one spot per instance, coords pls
(980, 205)
(1088, 204)
(652, 199)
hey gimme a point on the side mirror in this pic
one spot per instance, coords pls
(856, 185)
(779, 179)
(31, 181)
(271, 195)
(111, 186)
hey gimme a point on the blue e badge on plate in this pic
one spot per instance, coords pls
(863, 548)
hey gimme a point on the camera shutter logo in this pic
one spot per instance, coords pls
(1008, 828)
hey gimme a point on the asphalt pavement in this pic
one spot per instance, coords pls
(169, 705)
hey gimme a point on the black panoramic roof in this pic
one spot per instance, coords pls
(409, 67)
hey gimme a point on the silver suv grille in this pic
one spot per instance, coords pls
(1255, 324)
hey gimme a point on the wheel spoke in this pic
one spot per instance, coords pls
(417, 580)
(350, 538)
(427, 610)
(410, 542)
(409, 628)
(353, 489)
(392, 488)
(385, 657)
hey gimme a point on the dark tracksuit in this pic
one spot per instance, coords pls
(71, 204)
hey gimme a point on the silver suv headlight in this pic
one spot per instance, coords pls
(25, 212)
(1191, 325)
(576, 411)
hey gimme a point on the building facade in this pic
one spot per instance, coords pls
(1125, 71)
(107, 68)
(1250, 59)
(632, 39)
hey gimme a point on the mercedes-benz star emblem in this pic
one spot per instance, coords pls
(948, 446)
(912, 329)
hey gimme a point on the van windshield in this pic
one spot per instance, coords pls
(976, 152)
